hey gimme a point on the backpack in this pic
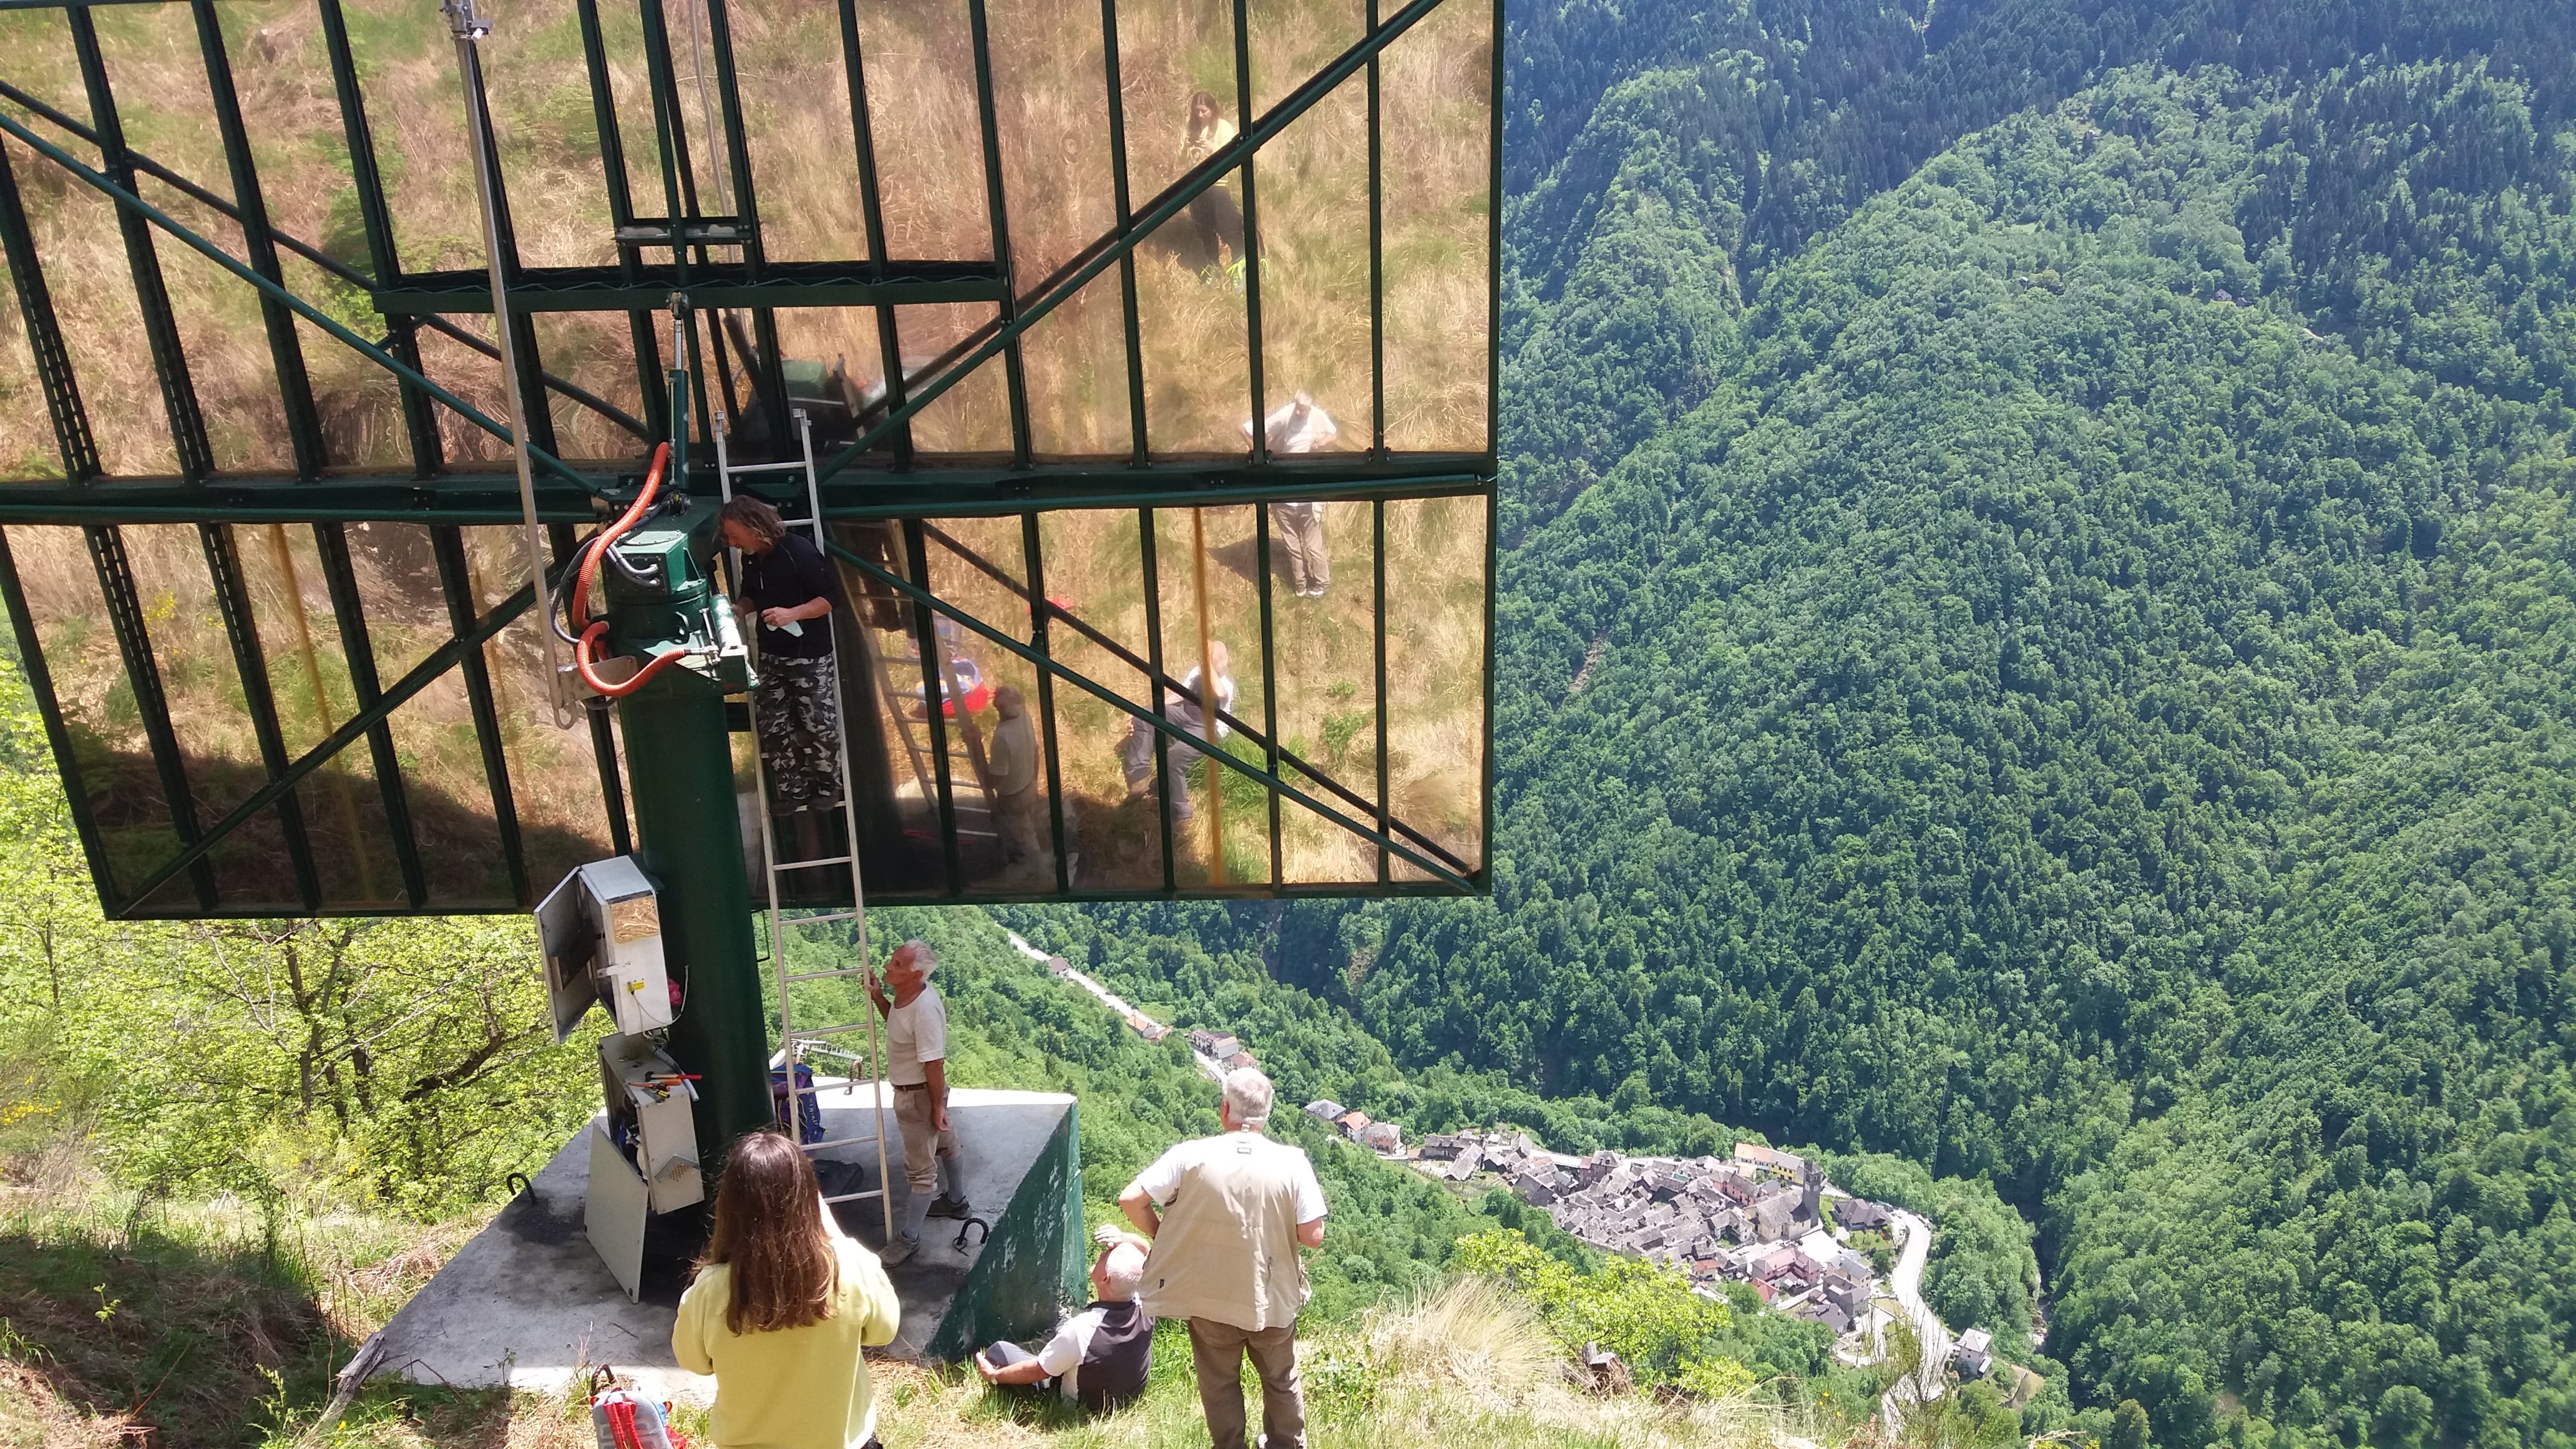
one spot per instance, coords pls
(625, 1419)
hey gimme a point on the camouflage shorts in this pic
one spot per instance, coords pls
(798, 710)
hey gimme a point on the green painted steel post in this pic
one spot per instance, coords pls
(679, 770)
(679, 764)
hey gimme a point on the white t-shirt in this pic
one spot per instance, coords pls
(916, 1032)
(1163, 1177)
(1063, 1355)
(1289, 433)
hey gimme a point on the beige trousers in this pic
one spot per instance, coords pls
(912, 1115)
(1217, 1351)
(1023, 821)
(1301, 532)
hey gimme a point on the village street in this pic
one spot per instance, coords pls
(1914, 1237)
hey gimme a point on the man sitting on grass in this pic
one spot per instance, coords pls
(1100, 1357)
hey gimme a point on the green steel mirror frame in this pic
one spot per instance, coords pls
(1001, 499)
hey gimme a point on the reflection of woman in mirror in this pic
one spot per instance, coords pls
(1215, 216)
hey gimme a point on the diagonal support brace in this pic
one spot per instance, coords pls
(1104, 253)
(1175, 733)
(447, 656)
(306, 310)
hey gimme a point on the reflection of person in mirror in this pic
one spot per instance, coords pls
(1214, 214)
(1013, 755)
(1182, 709)
(790, 588)
(1301, 427)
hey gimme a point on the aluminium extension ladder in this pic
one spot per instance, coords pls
(963, 731)
(796, 1042)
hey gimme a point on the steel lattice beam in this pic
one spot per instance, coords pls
(1166, 733)
(1119, 242)
(45, 334)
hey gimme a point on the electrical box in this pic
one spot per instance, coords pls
(601, 931)
(649, 1119)
(643, 1153)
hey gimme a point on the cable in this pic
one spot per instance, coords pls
(592, 629)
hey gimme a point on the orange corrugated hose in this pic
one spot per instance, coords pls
(591, 629)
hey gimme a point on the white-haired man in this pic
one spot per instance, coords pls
(1100, 1357)
(916, 1064)
(1235, 1209)
(1298, 426)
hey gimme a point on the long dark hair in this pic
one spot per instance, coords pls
(756, 515)
(769, 1230)
(1216, 113)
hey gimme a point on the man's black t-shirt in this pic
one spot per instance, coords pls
(793, 572)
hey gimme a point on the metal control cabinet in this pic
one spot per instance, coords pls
(601, 930)
(643, 1153)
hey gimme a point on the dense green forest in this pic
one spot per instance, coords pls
(2068, 508)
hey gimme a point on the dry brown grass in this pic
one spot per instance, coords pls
(1053, 135)
(556, 789)
(1322, 689)
(1052, 131)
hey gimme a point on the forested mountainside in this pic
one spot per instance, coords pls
(2078, 612)
(1654, 146)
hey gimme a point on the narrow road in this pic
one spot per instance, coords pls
(1914, 1238)
(1108, 998)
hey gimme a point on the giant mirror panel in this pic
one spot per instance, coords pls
(1128, 346)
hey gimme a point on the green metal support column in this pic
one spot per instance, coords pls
(688, 834)
(679, 763)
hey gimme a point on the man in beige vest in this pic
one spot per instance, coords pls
(1235, 1208)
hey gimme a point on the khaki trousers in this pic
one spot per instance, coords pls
(912, 1115)
(1301, 530)
(1217, 1351)
(1023, 822)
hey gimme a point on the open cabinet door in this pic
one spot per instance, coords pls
(613, 1211)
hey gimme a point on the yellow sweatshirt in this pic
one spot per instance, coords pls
(796, 1388)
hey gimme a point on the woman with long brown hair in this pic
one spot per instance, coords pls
(1215, 216)
(781, 1306)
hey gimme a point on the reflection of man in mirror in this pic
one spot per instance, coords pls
(1184, 712)
(1301, 427)
(1012, 754)
(791, 588)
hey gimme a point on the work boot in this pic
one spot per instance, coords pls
(899, 1251)
(944, 1206)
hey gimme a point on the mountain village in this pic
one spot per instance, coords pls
(1761, 1217)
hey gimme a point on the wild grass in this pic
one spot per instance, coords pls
(1321, 689)
(128, 1317)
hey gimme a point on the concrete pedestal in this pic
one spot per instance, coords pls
(527, 1303)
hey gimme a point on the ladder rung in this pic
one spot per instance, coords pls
(787, 921)
(738, 469)
(810, 864)
(855, 1196)
(824, 975)
(838, 1142)
(809, 1034)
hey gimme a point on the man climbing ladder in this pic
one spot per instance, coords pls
(792, 589)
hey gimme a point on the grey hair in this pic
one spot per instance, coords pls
(924, 959)
(1247, 1097)
(1124, 1267)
